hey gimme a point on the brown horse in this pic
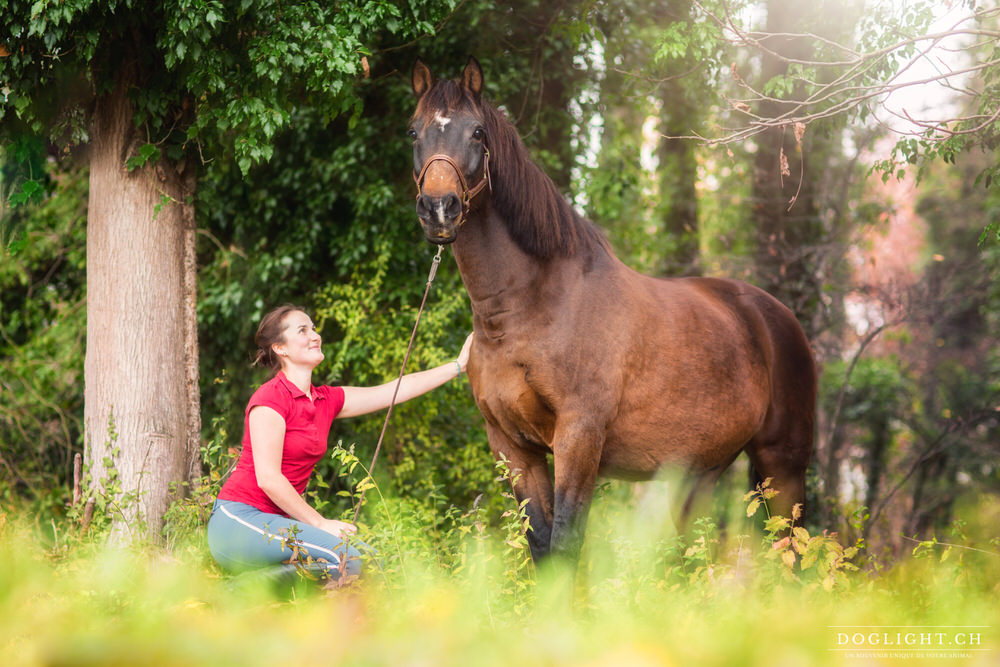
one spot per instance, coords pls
(579, 357)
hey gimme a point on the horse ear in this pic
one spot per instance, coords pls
(472, 78)
(422, 79)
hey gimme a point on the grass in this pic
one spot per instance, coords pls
(467, 595)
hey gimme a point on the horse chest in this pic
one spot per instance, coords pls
(507, 400)
(503, 317)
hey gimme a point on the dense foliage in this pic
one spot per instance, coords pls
(42, 325)
(461, 593)
(213, 74)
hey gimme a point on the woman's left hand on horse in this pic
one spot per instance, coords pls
(463, 356)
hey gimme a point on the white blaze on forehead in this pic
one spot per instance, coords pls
(441, 120)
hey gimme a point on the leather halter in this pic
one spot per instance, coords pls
(467, 194)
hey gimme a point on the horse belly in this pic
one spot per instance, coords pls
(683, 429)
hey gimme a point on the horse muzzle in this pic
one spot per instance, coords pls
(442, 214)
(440, 217)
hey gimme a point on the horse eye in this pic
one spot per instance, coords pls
(478, 133)
(412, 134)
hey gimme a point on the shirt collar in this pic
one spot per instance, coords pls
(295, 391)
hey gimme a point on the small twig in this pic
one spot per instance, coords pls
(949, 544)
(211, 237)
(953, 133)
(88, 513)
(77, 475)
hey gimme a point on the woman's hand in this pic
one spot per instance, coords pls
(336, 528)
(463, 356)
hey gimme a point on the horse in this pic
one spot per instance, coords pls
(577, 357)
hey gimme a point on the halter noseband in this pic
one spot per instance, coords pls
(467, 194)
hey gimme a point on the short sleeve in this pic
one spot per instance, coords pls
(271, 394)
(336, 396)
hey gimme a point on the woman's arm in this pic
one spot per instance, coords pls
(363, 400)
(267, 433)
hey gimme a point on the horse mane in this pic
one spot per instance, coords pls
(538, 217)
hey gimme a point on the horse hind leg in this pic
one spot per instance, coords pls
(693, 498)
(783, 447)
(784, 458)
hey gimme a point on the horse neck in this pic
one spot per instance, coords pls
(489, 259)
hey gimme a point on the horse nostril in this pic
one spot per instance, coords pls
(423, 207)
(452, 206)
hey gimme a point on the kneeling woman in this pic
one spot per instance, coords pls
(260, 513)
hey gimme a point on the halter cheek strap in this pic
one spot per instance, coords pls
(467, 194)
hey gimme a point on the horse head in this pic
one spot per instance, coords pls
(449, 149)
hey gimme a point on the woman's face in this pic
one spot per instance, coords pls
(301, 344)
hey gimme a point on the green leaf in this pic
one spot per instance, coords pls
(164, 200)
(777, 523)
(146, 153)
(31, 190)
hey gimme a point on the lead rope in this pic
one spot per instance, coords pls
(399, 380)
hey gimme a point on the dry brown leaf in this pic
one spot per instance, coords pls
(800, 131)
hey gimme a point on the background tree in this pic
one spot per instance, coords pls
(791, 201)
(852, 73)
(642, 190)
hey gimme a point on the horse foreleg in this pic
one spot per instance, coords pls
(577, 454)
(529, 472)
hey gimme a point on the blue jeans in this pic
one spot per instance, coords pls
(241, 537)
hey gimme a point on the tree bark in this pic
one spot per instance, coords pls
(678, 176)
(785, 209)
(141, 398)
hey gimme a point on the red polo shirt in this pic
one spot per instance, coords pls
(307, 428)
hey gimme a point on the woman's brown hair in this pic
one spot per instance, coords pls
(271, 331)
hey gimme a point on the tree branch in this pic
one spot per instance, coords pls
(855, 81)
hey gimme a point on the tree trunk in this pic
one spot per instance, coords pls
(877, 453)
(785, 207)
(141, 396)
(828, 463)
(678, 176)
